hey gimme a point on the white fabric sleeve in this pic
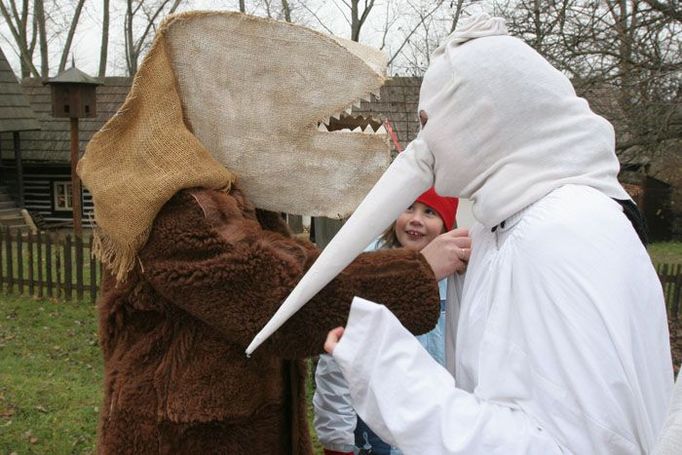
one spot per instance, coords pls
(334, 417)
(412, 402)
(670, 439)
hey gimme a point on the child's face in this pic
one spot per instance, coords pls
(417, 226)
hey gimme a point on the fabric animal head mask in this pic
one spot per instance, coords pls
(224, 96)
(504, 129)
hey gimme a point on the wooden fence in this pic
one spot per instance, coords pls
(54, 265)
(671, 279)
(48, 265)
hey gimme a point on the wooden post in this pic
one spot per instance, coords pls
(93, 273)
(31, 259)
(677, 292)
(48, 263)
(8, 258)
(75, 181)
(2, 173)
(295, 223)
(39, 241)
(20, 263)
(20, 168)
(78, 243)
(68, 269)
(325, 230)
(2, 276)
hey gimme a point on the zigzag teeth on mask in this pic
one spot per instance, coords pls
(368, 130)
(348, 110)
(357, 130)
(337, 116)
(322, 127)
(357, 103)
(381, 130)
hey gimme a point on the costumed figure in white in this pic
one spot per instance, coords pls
(558, 339)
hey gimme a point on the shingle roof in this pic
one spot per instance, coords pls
(398, 103)
(73, 76)
(15, 111)
(53, 142)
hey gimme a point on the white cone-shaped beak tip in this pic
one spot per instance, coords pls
(410, 174)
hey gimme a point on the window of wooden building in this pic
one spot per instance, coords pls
(62, 196)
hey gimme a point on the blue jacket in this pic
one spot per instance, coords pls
(336, 423)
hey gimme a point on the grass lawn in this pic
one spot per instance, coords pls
(51, 372)
(50, 377)
(666, 252)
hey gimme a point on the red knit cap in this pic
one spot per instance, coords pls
(446, 207)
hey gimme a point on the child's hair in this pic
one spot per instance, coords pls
(445, 207)
(388, 239)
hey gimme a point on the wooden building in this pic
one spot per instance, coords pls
(17, 120)
(45, 153)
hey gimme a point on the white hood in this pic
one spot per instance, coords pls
(504, 129)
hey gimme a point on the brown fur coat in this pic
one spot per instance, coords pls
(174, 333)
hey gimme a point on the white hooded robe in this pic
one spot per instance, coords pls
(562, 344)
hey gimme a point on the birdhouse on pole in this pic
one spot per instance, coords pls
(73, 96)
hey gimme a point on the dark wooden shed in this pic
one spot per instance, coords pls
(46, 152)
(16, 116)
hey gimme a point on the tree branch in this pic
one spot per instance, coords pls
(69, 36)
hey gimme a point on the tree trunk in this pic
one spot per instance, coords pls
(287, 10)
(358, 19)
(104, 48)
(39, 9)
(69, 37)
(455, 17)
(355, 21)
(131, 58)
(134, 47)
(14, 23)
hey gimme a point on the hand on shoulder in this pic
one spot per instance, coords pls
(448, 253)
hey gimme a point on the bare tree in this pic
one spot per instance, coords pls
(418, 40)
(421, 30)
(43, 24)
(17, 22)
(353, 12)
(152, 11)
(39, 23)
(104, 47)
(671, 8)
(625, 56)
(286, 10)
(358, 16)
(69, 37)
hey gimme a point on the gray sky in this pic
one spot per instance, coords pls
(86, 44)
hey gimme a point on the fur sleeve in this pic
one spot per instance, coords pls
(208, 256)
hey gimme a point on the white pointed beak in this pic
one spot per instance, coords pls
(410, 174)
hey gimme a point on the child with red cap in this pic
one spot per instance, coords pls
(339, 429)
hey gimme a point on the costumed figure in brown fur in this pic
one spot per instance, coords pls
(194, 269)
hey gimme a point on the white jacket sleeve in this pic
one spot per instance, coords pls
(412, 402)
(334, 418)
(670, 439)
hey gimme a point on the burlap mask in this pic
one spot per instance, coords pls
(221, 91)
